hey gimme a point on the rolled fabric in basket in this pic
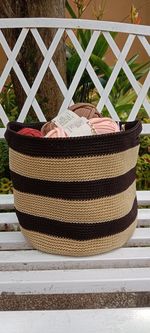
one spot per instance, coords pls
(57, 132)
(98, 126)
(81, 109)
(104, 125)
(75, 196)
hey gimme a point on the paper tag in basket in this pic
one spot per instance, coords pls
(75, 125)
(63, 119)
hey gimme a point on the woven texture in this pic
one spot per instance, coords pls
(75, 196)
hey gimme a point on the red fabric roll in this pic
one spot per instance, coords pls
(30, 132)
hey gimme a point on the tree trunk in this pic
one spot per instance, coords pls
(30, 57)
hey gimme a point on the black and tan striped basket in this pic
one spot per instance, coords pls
(75, 196)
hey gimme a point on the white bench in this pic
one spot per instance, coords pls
(27, 271)
(89, 321)
(24, 271)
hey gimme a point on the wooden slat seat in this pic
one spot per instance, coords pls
(89, 321)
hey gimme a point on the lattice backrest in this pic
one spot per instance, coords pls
(68, 26)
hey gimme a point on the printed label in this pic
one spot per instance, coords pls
(64, 118)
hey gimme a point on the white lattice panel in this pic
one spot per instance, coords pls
(68, 26)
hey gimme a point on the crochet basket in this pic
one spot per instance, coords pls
(75, 196)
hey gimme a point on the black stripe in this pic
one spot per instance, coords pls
(72, 147)
(77, 231)
(74, 190)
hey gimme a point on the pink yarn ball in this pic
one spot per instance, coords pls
(103, 125)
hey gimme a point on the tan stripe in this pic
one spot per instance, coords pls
(73, 169)
(71, 247)
(99, 210)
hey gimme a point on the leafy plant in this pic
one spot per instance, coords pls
(122, 95)
(4, 163)
(5, 186)
(9, 103)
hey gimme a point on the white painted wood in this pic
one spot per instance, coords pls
(80, 71)
(145, 44)
(8, 218)
(28, 260)
(12, 57)
(76, 281)
(9, 222)
(15, 240)
(126, 69)
(52, 65)
(140, 98)
(92, 74)
(21, 78)
(5, 121)
(6, 201)
(143, 197)
(134, 320)
(3, 116)
(144, 217)
(37, 22)
(40, 74)
(116, 70)
(141, 237)
(145, 128)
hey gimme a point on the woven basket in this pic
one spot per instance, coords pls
(75, 196)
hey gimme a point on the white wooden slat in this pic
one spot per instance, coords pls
(29, 260)
(92, 74)
(141, 237)
(15, 240)
(22, 78)
(145, 44)
(52, 65)
(144, 217)
(132, 320)
(145, 129)
(3, 116)
(38, 22)
(140, 98)
(9, 222)
(76, 281)
(2, 130)
(13, 56)
(126, 68)
(40, 74)
(143, 197)
(80, 71)
(116, 70)
(8, 218)
(7, 200)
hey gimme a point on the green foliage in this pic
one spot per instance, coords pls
(5, 186)
(143, 164)
(143, 172)
(4, 163)
(9, 103)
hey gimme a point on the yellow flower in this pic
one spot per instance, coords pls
(135, 17)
